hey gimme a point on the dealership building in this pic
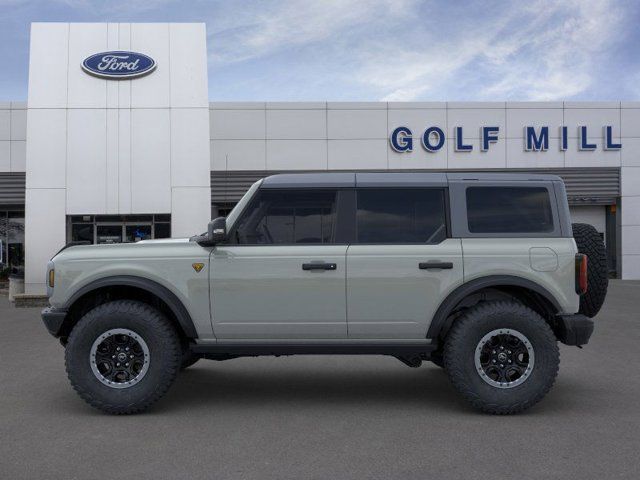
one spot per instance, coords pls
(118, 141)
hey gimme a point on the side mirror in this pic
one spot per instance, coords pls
(217, 230)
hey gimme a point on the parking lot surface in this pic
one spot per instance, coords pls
(324, 417)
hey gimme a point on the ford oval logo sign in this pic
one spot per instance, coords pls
(118, 65)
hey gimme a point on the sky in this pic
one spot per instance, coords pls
(376, 50)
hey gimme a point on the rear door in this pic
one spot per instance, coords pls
(402, 263)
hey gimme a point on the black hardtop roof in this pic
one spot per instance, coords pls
(396, 179)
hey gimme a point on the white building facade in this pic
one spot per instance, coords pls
(100, 159)
(118, 147)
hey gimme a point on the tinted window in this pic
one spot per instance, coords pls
(388, 215)
(287, 217)
(509, 210)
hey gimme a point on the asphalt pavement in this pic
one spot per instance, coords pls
(323, 417)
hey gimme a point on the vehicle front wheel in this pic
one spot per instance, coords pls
(122, 356)
(502, 356)
(188, 358)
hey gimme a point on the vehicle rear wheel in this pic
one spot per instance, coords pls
(502, 356)
(437, 358)
(122, 356)
(590, 243)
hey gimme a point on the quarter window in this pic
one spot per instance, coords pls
(288, 217)
(509, 210)
(388, 215)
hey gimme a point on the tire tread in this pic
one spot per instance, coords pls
(164, 329)
(453, 353)
(589, 242)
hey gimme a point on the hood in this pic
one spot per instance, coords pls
(164, 240)
(124, 250)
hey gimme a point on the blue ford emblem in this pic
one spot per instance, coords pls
(118, 65)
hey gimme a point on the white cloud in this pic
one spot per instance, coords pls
(562, 57)
(410, 75)
(541, 50)
(544, 52)
(281, 25)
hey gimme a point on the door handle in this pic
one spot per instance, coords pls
(435, 265)
(319, 266)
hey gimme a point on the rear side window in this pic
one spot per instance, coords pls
(285, 217)
(509, 210)
(388, 215)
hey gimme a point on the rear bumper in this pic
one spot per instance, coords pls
(53, 319)
(574, 329)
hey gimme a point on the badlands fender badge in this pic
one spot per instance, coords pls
(197, 266)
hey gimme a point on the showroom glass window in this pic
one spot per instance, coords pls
(118, 228)
(509, 210)
(12, 239)
(286, 217)
(402, 215)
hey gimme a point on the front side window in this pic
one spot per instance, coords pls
(388, 215)
(509, 210)
(285, 217)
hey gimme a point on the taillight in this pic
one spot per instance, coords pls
(581, 273)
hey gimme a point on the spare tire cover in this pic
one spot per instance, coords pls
(589, 242)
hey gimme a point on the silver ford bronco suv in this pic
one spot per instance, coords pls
(480, 273)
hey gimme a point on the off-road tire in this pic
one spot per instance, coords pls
(437, 358)
(164, 356)
(464, 337)
(590, 243)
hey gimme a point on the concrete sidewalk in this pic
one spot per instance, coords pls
(324, 417)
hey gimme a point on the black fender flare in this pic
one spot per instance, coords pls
(160, 291)
(439, 321)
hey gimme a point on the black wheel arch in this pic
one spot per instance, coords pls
(130, 286)
(520, 288)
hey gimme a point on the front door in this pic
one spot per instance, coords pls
(402, 264)
(281, 275)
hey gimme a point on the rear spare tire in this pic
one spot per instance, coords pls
(590, 243)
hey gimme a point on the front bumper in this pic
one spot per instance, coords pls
(574, 329)
(53, 319)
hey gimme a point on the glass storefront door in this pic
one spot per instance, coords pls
(12, 239)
